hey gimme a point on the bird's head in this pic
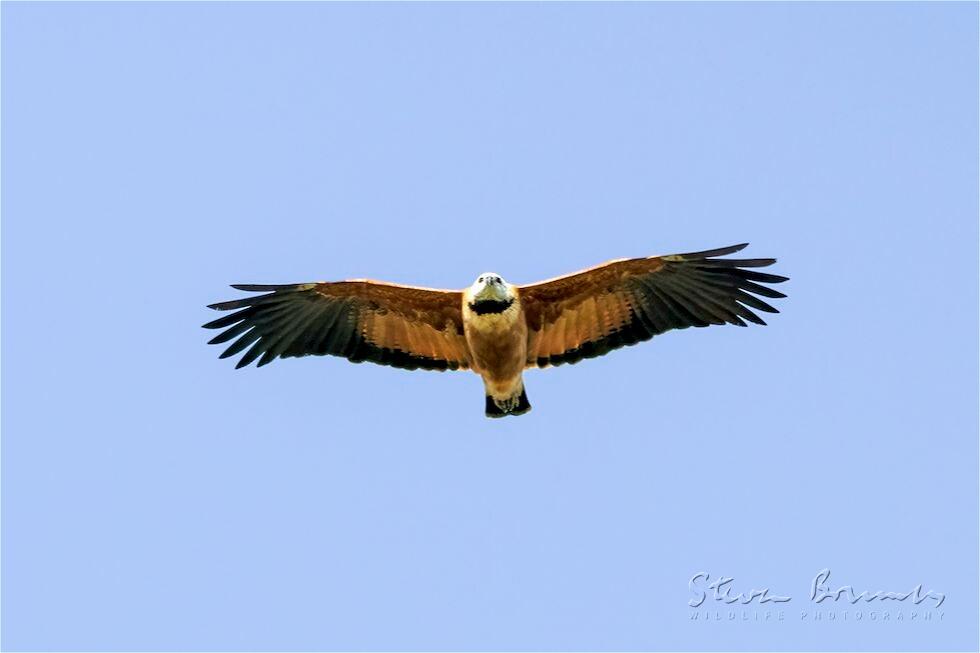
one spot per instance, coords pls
(490, 286)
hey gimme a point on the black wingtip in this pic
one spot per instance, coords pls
(260, 287)
(712, 253)
(731, 249)
(227, 306)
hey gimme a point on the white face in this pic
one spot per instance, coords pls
(490, 285)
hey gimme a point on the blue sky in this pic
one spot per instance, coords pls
(155, 498)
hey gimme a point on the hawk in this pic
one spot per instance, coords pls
(495, 328)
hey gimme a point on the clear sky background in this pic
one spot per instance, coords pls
(155, 498)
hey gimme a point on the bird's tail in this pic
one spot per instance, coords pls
(515, 405)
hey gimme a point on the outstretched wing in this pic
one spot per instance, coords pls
(623, 302)
(401, 326)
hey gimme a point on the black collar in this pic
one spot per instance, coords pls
(485, 306)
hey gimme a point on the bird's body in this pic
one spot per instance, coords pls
(495, 328)
(496, 333)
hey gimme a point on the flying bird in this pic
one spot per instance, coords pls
(495, 328)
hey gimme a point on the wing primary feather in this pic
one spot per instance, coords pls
(251, 354)
(249, 301)
(241, 343)
(738, 262)
(721, 251)
(230, 333)
(761, 277)
(761, 290)
(228, 320)
(754, 302)
(748, 314)
(258, 314)
(264, 287)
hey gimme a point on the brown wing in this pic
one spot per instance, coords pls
(383, 323)
(620, 303)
